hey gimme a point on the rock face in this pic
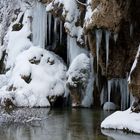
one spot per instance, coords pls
(116, 18)
(108, 28)
(108, 14)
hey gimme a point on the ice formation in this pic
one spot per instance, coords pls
(39, 22)
(98, 44)
(73, 49)
(107, 37)
(118, 87)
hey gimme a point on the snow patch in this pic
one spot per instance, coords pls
(123, 120)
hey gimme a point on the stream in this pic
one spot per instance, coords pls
(57, 124)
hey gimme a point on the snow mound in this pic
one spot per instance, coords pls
(109, 106)
(123, 120)
(79, 70)
(18, 41)
(37, 75)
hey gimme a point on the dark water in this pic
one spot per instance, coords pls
(58, 124)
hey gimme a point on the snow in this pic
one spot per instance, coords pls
(123, 120)
(17, 41)
(71, 14)
(47, 78)
(89, 13)
(80, 74)
(109, 106)
(79, 70)
(3, 80)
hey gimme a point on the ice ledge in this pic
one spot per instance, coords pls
(123, 120)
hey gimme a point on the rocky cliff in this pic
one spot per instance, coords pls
(108, 29)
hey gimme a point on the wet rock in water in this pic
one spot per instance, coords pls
(76, 97)
(56, 101)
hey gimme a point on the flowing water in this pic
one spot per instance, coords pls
(57, 124)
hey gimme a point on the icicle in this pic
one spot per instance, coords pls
(107, 36)
(61, 31)
(73, 49)
(98, 44)
(86, 40)
(109, 89)
(46, 40)
(39, 25)
(115, 37)
(68, 50)
(131, 30)
(103, 95)
(55, 32)
(50, 22)
(124, 94)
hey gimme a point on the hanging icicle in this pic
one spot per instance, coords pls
(109, 89)
(123, 91)
(98, 44)
(50, 22)
(115, 37)
(39, 24)
(55, 33)
(107, 37)
(61, 31)
(131, 30)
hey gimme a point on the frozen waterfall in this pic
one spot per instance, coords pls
(116, 88)
(39, 25)
(73, 49)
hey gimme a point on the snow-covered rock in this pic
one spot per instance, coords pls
(78, 75)
(71, 14)
(123, 120)
(37, 75)
(78, 72)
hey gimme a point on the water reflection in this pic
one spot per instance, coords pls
(58, 124)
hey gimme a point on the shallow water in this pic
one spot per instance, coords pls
(57, 124)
